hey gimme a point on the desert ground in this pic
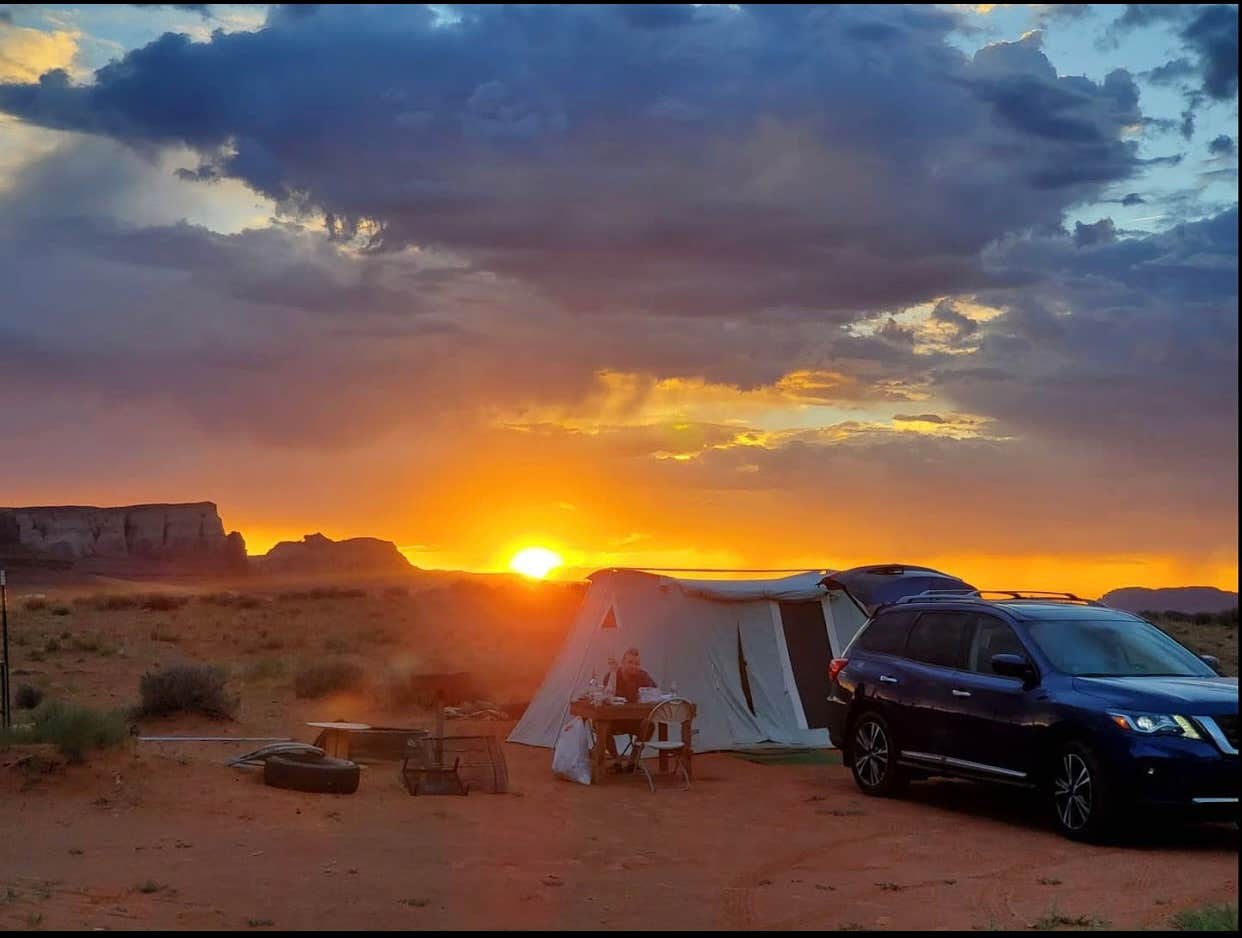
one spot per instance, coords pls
(164, 835)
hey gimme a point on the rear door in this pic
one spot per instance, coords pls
(994, 718)
(934, 655)
(876, 663)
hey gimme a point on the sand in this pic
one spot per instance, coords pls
(165, 836)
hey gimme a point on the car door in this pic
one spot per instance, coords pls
(934, 654)
(993, 717)
(877, 665)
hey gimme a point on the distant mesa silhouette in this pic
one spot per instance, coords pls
(1188, 599)
(316, 553)
(158, 538)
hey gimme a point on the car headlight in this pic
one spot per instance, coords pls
(1155, 724)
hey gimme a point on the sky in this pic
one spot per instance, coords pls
(664, 286)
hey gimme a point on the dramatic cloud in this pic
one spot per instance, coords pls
(705, 161)
(441, 272)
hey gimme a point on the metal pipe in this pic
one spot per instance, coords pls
(215, 739)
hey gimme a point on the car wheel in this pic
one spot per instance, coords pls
(1081, 806)
(874, 756)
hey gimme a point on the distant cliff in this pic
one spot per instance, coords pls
(318, 554)
(171, 538)
(1190, 599)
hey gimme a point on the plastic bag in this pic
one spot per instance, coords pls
(571, 759)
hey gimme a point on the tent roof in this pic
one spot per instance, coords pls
(800, 586)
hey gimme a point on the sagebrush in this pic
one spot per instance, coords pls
(188, 688)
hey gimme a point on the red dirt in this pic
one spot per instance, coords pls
(750, 846)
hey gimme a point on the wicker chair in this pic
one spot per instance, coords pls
(674, 712)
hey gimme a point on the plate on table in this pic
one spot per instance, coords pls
(617, 701)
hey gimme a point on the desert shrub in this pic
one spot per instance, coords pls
(73, 728)
(27, 697)
(51, 645)
(107, 602)
(322, 592)
(61, 610)
(163, 635)
(328, 677)
(235, 600)
(337, 645)
(378, 634)
(35, 603)
(163, 602)
(266, 669)
(188, 688)
(1208, 918)
(95, 644)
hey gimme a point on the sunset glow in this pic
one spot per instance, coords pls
(535, 562)
(833, 285)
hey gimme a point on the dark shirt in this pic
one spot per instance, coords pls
(628, 687)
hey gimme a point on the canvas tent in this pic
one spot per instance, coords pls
(752, 654)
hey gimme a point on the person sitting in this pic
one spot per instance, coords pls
(625, 681)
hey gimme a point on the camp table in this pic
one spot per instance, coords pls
(601, 717)
(336, 738)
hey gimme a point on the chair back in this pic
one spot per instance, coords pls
(669, 712)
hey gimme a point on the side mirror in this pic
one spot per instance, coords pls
(1013, 666)
(1212, 662)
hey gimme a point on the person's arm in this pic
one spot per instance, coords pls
(647, 681)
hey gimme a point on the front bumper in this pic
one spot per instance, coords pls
(1164, 771)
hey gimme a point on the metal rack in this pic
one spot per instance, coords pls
(982, 596)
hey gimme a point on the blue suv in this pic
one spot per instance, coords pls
(1096, 708)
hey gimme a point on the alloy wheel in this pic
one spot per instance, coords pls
(1072, 792)
(871, 753)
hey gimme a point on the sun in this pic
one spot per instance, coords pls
(535, 562)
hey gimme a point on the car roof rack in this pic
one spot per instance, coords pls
(1042, 596)
(984, 596)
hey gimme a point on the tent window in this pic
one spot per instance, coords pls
(610, 620)
(741, 670)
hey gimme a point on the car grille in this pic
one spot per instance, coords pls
(1229, 726)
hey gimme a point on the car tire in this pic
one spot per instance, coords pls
(318, 774)
(874, 756)
(1082, 807)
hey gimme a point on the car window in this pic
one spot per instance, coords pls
(887, 632)
(991, 637)
(940, 638)
(1107, 647)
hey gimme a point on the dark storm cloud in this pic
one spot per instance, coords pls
(1128, 344)
(694, 161)
(1213, 35)
(1222, 146)
(1100, 232)
(1173, 72)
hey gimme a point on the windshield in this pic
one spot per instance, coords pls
(1114, 648)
